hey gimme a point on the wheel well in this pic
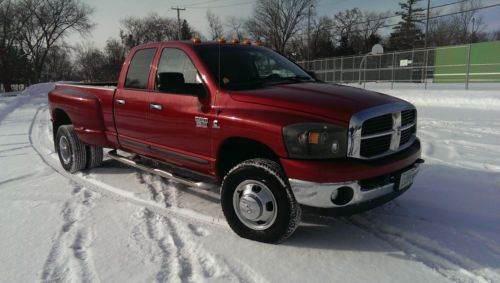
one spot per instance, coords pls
(236, 150)
(60, 118)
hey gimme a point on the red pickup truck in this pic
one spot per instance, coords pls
(275, 138)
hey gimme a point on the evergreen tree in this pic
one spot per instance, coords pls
(407, 35)
(186, 31)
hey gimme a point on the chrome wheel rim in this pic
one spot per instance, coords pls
(255, 205)
(64, 149)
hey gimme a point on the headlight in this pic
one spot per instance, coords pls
(315, 141)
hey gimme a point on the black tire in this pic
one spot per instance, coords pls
(95, 156)
(78, 155)
(271, 174)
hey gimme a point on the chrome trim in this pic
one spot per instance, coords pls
(319, 194)
(162, 150)
(120, 101)
(357, 120)
(128, 161)
(88, 86)
(155, 106)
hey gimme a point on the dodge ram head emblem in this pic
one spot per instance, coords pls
(201, 122)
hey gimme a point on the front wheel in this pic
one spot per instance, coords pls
(258, 202)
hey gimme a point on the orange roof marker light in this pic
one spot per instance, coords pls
(258, 42)
(222, 40)
(196, 40)
(247, 41)
(235, 40)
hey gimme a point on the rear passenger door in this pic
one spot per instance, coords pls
(181, 132)
(131, 105)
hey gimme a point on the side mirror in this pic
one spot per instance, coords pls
(174, 83)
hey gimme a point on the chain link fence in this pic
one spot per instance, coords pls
(472, 63)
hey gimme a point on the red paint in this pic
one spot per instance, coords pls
(257, 114)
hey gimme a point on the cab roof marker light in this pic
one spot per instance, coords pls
(258, 42)
(222, 40)
(235, 40)
(196, 40)
(247, 41)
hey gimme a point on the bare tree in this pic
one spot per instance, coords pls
(12, 57)
(215, 25)
(495, 35)
(49, 22)
(114, 53)
(58, 65)
(152, 28)
(278, 21)
(464, 28)
(235, 27)
(90, 63)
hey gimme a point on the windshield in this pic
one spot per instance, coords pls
(246, 67)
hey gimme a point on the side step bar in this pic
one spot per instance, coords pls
(128, 161)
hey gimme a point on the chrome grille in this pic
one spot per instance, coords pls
(382, 130)
(408, 117)
(375, 146)
(376, 125)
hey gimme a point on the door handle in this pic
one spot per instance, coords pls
(155, 106)
(120, 101)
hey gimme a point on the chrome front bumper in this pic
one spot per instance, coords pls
(320, 194)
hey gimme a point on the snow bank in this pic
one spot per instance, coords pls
(485, 99)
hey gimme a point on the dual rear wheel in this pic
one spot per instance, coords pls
(73, 154)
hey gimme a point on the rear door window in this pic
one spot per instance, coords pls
(139, 68)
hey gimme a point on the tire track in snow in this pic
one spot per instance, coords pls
(174, 246)
(189, 261)
(70, 257)
(46, 155)
(446, 262)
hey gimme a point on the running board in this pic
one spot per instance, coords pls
(128, 161)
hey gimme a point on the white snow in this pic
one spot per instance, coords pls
(116, 224)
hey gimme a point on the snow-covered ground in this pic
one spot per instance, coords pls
(116, 224)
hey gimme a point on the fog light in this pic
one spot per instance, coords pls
(334, 195)
(335, 146)
(344, 195)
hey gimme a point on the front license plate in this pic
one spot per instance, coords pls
(407, 178)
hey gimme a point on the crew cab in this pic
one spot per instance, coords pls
(240, 116)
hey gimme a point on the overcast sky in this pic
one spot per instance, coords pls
(108, 13)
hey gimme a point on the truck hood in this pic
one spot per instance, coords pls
(334, 102)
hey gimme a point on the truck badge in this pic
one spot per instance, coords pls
(201, 122)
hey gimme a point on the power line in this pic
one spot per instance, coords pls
(223, 6)
(420, 19)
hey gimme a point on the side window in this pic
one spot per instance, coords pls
(176, 61)
(138, 70)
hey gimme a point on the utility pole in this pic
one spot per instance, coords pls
(427, 23)
(179, 20)
(426, 60)
(309, 34)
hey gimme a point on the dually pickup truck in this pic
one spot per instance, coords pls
(239, 115)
